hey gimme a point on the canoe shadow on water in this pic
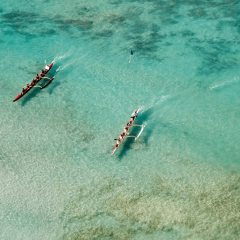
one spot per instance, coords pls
(141, 119)
(36, 90)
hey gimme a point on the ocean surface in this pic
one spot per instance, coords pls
(180, 179)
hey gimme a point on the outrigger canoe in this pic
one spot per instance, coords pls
(117, 145)
(21, 95)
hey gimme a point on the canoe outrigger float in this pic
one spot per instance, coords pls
(47, 69)
(126, 129)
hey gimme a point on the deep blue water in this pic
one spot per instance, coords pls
(180, 179)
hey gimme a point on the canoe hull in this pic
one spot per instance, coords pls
(19, 96)
(116, 147)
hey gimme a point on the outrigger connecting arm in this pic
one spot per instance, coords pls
(137, 126)
(127, 137)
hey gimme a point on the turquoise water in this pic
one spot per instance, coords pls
(180, 179)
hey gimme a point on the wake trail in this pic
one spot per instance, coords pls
(154, 103)
(60, 68)
(235, 79)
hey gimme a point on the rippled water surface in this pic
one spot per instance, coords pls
(180, 179)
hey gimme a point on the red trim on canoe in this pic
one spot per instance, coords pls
(114, 150)
(50, 65)
(137, 110)
(17, 97)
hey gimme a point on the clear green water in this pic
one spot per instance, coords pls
(180, 179)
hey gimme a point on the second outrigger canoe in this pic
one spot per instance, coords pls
(27, 90)
(130, 124)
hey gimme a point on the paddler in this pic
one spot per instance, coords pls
(130, 123)
(118, 142)
(33, 82)
(120, 138)
(22, 92)
(42, 74)
(37, 77)
(27, 87)
(132, 119)
(125, 130)
(133, 116)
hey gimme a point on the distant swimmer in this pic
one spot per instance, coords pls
(131, 56)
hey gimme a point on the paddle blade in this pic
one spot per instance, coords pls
(131, 52)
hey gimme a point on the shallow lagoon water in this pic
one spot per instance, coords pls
(180, 179)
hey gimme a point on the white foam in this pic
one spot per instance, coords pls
(154, 103)
(69, 64)
(235, 79)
